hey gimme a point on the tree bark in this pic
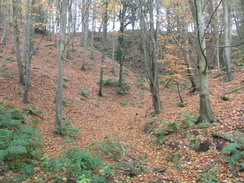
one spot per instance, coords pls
(104, 41)
(16, 41)
(206, 114)
(27, 52)
(227, 41)
(150, 48)
(59, 92)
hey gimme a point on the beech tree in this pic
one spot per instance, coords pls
(104, 44)
(15, 5)
(206, 114)
(59, 92)
(227, 37)
(27, 48)
(150, 48)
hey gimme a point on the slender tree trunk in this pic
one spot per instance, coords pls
(5, 22)
(121, 46)
(92, 35)
(206, 114)
(227, 41)
(104, 42)
(59, 92)
(150, 48)
(113, 45)
(27, 52)
(85, 27)
(68, 57)
(215, 26)
(16, 41)
(190, 72)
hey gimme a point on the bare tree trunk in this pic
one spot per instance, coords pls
(227, 41)
(113, 44)
(190, 72)
(104, 42)
(150, 48)
(121, 44)
(59, 92)
(92, 35)
(206, 114)
(16, 41)
(85, 27)
(5, 22)
(68, 57)
(215, 26)
(27, 52)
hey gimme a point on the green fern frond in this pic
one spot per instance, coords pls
(20, 142)
(5, 137)
(3, 153)
(17, 150)
(232, 147)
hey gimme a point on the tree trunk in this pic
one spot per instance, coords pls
(16, 41)
(5, 22)
(215, 26)
(59, 92)
(227, 41)
(85, 27)
(150, 48)
(104, 42)
(206, 115)
(27, 52)
(121, 44)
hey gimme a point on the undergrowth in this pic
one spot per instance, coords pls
(233, 153)
(19, 142)
(78, 165)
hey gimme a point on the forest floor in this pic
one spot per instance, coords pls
(123, 117)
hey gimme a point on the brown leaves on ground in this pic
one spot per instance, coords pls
(98, 118)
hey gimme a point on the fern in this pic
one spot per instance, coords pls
(5, 136)
(17, 140)
(67, 129)
(234, 151)
(188, 119)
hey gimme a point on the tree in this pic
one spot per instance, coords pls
(59, 92)
(104, 42)
(121, 40)
(150, 48)
(206, 114)
(27, 50)
(15, 5)
(5, 21)
(227, 37)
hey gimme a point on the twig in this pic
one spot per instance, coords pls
(233, 129)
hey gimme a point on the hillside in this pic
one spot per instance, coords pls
(123, 117)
